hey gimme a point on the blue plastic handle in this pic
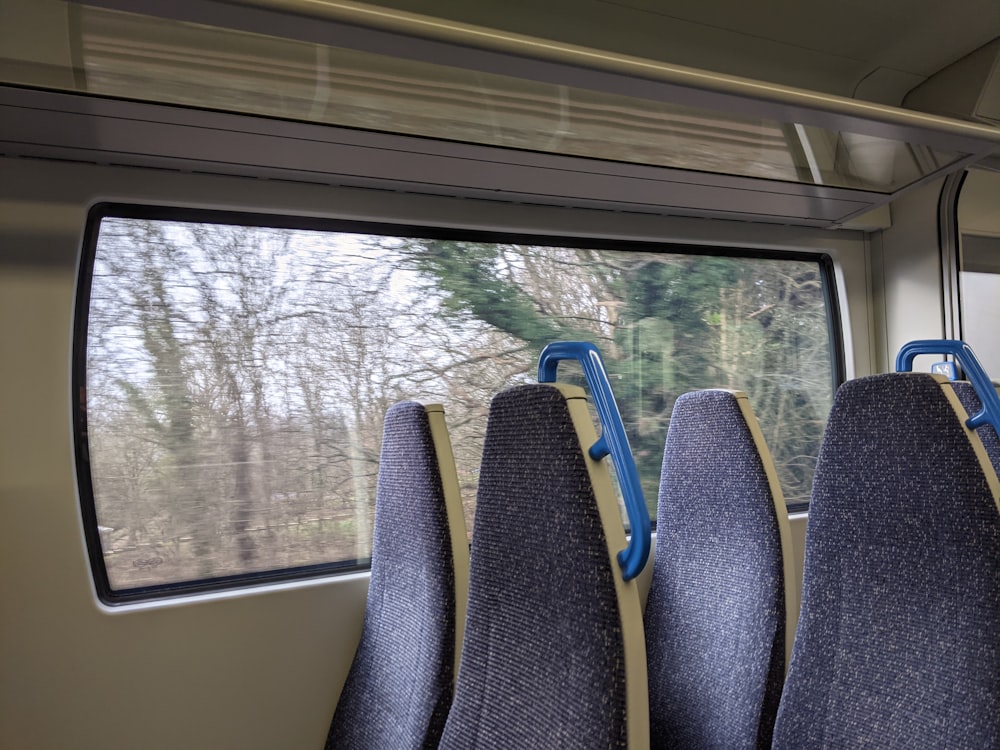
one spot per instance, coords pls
(612, 441)
(973, 369)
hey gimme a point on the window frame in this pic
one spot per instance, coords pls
(157, 212)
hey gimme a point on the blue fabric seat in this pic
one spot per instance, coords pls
(553, 654)
(400, 685)
(898, 643)
(717, 615)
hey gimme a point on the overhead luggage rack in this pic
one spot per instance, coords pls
(368, 96)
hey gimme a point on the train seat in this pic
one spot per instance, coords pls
(553, 654)
(718, 629)
(400, 685)
(897, 639)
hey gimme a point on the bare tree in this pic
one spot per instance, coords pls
(238, 376)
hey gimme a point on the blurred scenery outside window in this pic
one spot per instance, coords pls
(237, 376)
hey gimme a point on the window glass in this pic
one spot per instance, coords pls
(979, 227)
(236, 375)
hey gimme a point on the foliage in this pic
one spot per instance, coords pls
(237, 376)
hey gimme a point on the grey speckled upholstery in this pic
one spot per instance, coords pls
(716, 618)
(898, 644)
(543, 662)
(399, 689)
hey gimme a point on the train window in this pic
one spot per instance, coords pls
(234, 371)
(979, 225)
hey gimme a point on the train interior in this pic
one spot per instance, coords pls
(770, 199)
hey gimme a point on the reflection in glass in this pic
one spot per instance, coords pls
(138, 57)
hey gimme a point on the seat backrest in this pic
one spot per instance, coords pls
(553, 654)
(718, 622)
(897, 643)
(400, 686)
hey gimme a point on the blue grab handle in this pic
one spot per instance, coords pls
(613, 441)
(972, 367)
